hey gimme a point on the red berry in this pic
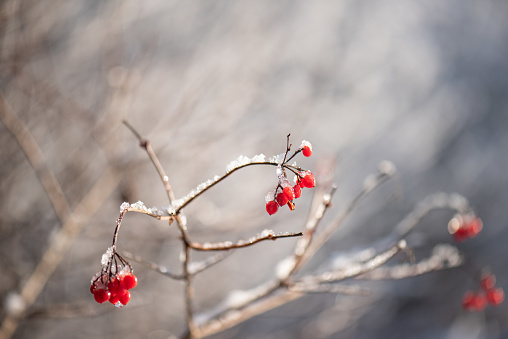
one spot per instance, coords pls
(298, 191)
(480, 301)
(495, 296)
(113, 286)
(281, 199)
(124, 299)
(272, 207)
(461, 234)
(128, 281)
(309, 181)
(488, 281)
(92, 288)
(473, 227)
(101, 295)
(114, 299)
(468, 300)
(307, 151)
(288, 192)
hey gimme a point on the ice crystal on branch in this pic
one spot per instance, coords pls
(243, 160)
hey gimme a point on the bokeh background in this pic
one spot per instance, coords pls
(422, 84)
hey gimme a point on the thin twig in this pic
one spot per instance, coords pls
(228, 245)
(155, 160)
(355, 269)
(329, 288)
(444, 256)
(161, 269)
(191, 197)
(187, 277)
(36, 158)
(72, 223)
(200, 266)
(310, 230)
(370, 184)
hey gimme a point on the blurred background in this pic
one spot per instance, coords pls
(422, 84)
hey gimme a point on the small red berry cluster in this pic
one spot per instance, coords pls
(464, 227)
(113, 282)
(285, 192)
(487, 294)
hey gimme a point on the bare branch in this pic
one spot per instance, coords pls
(36, 158)
(329, 288)
(210, 183)
(355, 269)
(144, 143)
(228, 245)
(444, 256)
(386, 170)
(310, 228)
(153, 212)
(200, 266)
(227, 314)
(72, 223)
(435, 201)
(161, 269)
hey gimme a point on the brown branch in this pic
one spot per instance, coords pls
(161, 269)
(247, 304)
(186, 275)
(36, 158)
(310, 230)
(386, 170)
(228, 245)
(72, 223)
(200, 266)
(193, 195)
(144, 143)
(151, 214)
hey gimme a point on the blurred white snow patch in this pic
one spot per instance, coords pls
(267, 233)
(14, 304)
(124, 206)
(258, 158)
(386, 167)
(344, 260)
(237, 298)
(306, 143)
(270, 196)
(243, 160)
(240, 161)
(277, 159)
(106, 257)
(284, 267)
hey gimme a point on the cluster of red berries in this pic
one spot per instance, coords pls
(113, 282)
(462, 228)
(114, 288)
(285, 193)
(487, 294)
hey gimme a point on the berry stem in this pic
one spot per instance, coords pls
(117, 228)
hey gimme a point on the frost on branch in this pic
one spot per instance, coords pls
(243, 160)
(228, 245)
(106, 257)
